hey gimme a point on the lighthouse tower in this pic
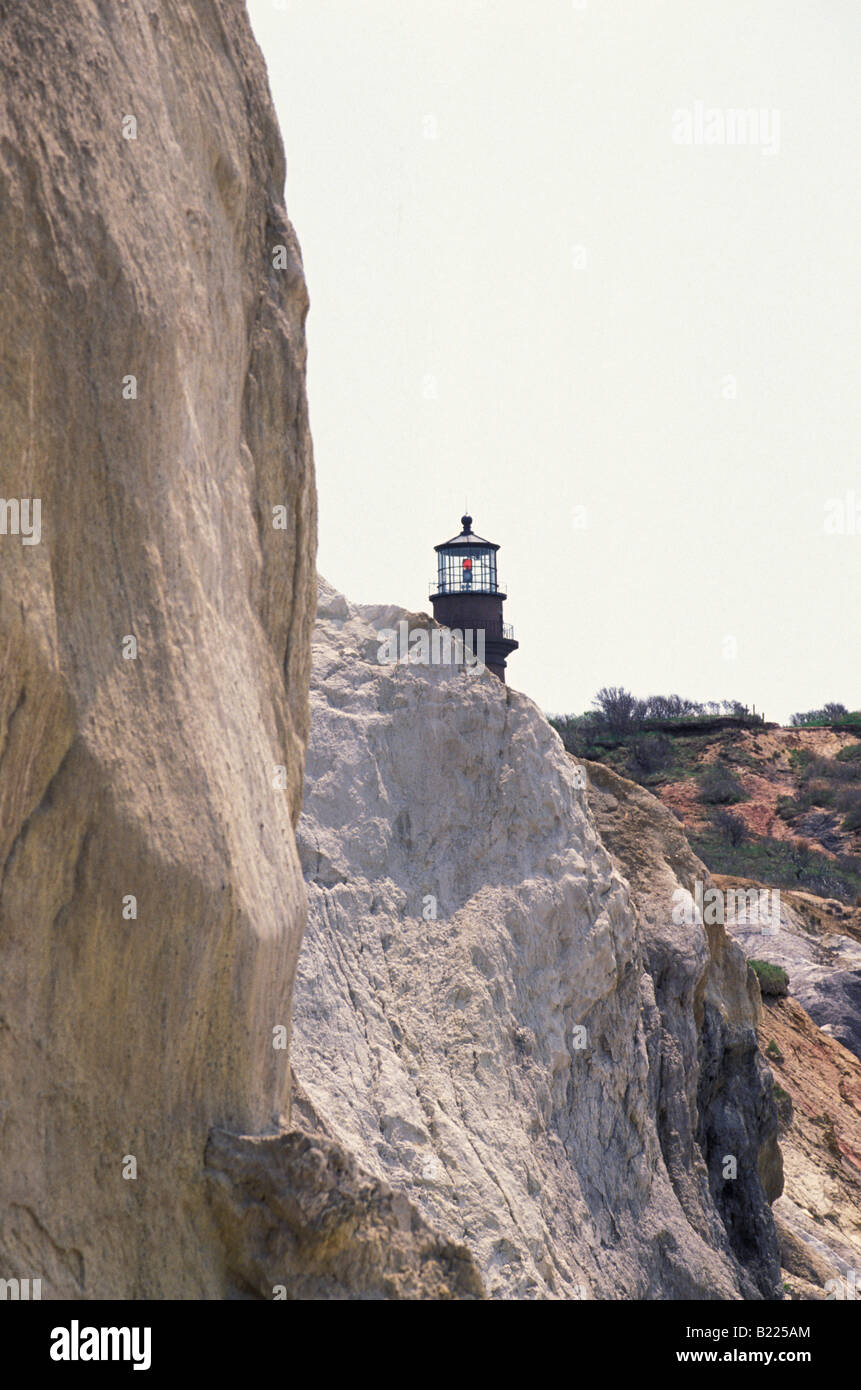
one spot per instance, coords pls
(467, 594)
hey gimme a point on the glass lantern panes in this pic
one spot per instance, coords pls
(466, 569)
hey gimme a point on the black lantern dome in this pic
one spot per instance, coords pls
(466, 564)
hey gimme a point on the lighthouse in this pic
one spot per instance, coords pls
(467, 594)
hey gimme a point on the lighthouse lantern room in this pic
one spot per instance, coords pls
(467, 593)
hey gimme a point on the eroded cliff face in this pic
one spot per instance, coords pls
(513, 1077)
(493, 1010)
(712, 1090)
(818, 1217)
(152, 776)
(812, 1041)
(817, 941)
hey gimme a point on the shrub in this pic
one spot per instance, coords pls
(831, 783)
(850, 754)
(577, 732)
(783, 1101)
(731, 827)
(618, 715)
(675, 707)
(621, 711)
(735, 708)
(773, 979)
(782, 864)
(849, 802)
(831, 770)
(650, 754)
(719, 786)
(817, 793)
(799, 758)
(827, 715)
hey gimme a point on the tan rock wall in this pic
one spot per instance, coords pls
(154, 777)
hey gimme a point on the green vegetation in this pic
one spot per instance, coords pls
(773, 979)
(653, 740)
(799, 758)
(781, 863)
(830, 784)
(719, 785)
(774, 1052)
(650, 755)
(664, 739)
(833, 715)
(782, 1099)
(731, 827)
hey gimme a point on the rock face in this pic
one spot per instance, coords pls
(299, 1219)
(152, 776)
(818, 1080)
(492, 1012)
(514, 1077)
(818, 944)
(732, 1101)
(818, 1216)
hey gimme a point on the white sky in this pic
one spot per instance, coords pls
(443, 159)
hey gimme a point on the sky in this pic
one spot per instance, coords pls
(554, 277)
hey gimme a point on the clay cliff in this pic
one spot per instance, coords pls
(818, 1090)
(512, 1074)
(810, 1036)
(493, 1010)
(817, 941)
(781, 805)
